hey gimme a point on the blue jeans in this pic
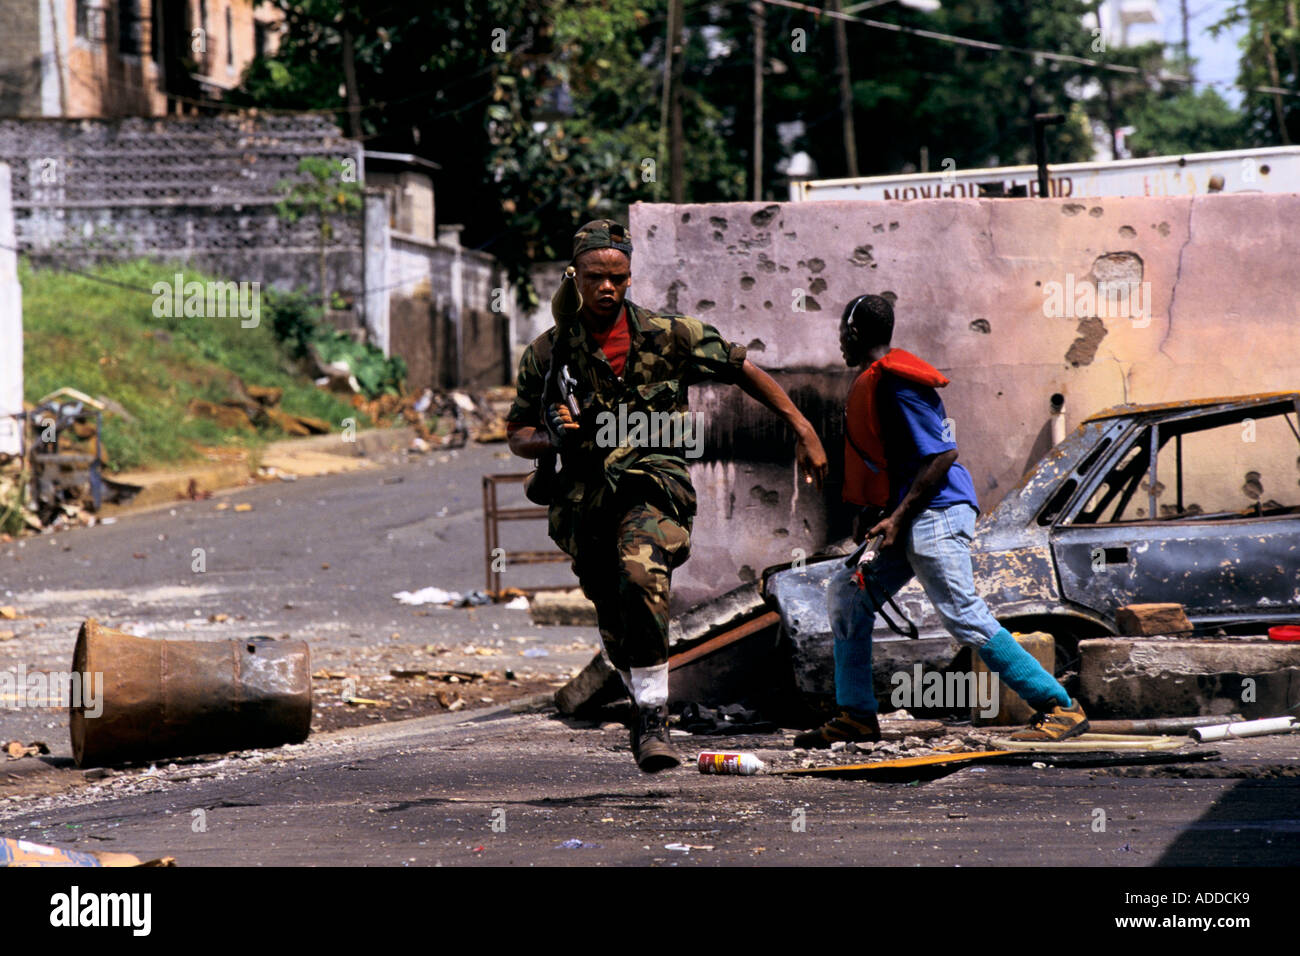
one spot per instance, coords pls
(936, 548)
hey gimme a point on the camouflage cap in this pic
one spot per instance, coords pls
(601, 234)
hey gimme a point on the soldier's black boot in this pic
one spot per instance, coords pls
(650, 746)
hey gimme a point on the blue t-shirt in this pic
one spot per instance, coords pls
(912, 420)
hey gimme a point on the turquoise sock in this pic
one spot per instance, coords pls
(1022, 673)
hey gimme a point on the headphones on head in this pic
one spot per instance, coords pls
(851, 336)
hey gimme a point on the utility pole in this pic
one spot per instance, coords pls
(846, 92)
(677, 171)
(759, 18)
(350, 84)
(1187, 46)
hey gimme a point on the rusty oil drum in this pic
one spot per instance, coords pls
(179, 698)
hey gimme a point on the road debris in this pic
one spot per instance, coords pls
(717, 761)
(437, 596)
(175, 698)
(1145, 620)
(16, 749)
(22, 853)
(1090, 742)
(1247, 728)
(1159, 725)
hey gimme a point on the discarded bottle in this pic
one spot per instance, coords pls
(723, 762)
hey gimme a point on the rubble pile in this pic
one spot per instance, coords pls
(253, 407)
(443, 419)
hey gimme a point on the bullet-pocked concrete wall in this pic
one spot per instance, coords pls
(1216, 296)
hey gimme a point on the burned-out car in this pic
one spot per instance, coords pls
(1194, 502)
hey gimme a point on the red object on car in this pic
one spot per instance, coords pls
(1284, 632)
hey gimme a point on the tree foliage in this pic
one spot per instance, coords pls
(546, 113)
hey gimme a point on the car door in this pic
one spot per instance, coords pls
(1210, 520)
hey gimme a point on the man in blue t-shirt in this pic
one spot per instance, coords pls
(925, 529)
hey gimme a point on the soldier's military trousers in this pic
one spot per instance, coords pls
(624, 566)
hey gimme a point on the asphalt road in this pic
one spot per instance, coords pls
(317, 559)
(493, 787)
(505, 789)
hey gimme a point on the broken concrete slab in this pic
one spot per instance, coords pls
(707, 618)
(593, 685)
(1146, 677)
(562, 608)
(1146, 620)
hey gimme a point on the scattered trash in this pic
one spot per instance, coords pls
(450, 677)
(684, 847)
(433, 595)
(536, 652)
(194, 493)
(1284, 632)
(902, 769)
(1246, 728)
(576, 844)
(519, 603)
(1159, 725)
(21, 853)
(429, 595)
(9, 613)
(1091, 742)
(16, 749)
(159, 698)
(731, 719)
(244, 507)
(744, 764)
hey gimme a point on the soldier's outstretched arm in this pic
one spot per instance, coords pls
(809, 452)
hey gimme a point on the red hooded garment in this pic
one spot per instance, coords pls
(866, 474)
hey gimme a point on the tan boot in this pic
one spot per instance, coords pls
(1059, 723)
(842, 728)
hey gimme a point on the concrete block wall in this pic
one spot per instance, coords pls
(971, 282)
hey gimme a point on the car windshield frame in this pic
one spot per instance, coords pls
(1154, 431)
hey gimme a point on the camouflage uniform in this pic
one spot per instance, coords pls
(624, 513)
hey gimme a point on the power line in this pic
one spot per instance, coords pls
(1004, 48)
